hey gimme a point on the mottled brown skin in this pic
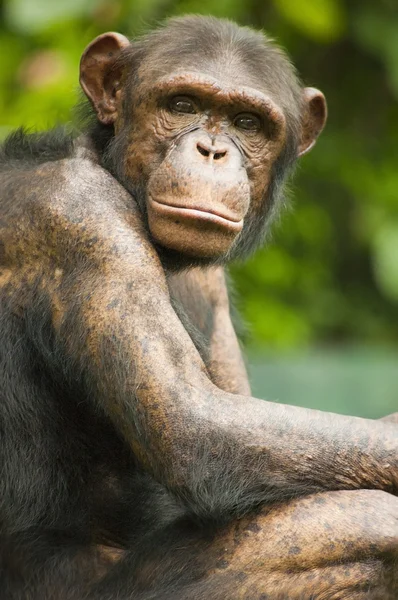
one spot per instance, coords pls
(251, 499)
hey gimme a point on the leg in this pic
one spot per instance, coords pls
(331, 546)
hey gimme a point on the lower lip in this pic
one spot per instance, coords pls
(168, 210)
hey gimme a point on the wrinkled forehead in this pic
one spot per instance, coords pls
(227, 64)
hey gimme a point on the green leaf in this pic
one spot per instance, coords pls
(322, 20)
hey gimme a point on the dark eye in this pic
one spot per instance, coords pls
(182, 104)
(247, 122)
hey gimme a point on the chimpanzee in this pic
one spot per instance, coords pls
(134, 463)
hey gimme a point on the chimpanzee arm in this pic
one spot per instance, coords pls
(204, 295)
(221, 452)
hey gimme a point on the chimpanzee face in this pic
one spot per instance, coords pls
(201, 141)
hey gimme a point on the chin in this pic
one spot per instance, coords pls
(177, 260)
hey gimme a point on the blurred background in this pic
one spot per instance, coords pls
(320, 302)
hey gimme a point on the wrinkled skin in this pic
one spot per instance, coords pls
(136, 463)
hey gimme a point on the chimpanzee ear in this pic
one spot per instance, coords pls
(99, 81)
(314, 118)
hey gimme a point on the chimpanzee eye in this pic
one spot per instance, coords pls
(248, 122)
(182, 104)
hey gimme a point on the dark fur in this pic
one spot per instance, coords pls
(21, 150)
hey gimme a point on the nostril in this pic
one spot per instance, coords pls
(210, 151)
(202, 150)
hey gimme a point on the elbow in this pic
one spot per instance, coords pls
(216, 482)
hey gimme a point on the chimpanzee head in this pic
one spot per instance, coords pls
(207, 120)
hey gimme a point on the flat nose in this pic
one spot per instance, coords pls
(215, 152)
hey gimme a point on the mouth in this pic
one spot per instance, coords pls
(206, 215)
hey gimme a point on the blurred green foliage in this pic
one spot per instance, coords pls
(330, 273)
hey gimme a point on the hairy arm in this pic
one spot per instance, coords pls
(220, 452)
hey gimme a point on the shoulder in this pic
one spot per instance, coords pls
(52, 157)
(35, 175)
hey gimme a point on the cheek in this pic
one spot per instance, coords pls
(146, 146)
(141, 157)
(259, 177)
(260, 172)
